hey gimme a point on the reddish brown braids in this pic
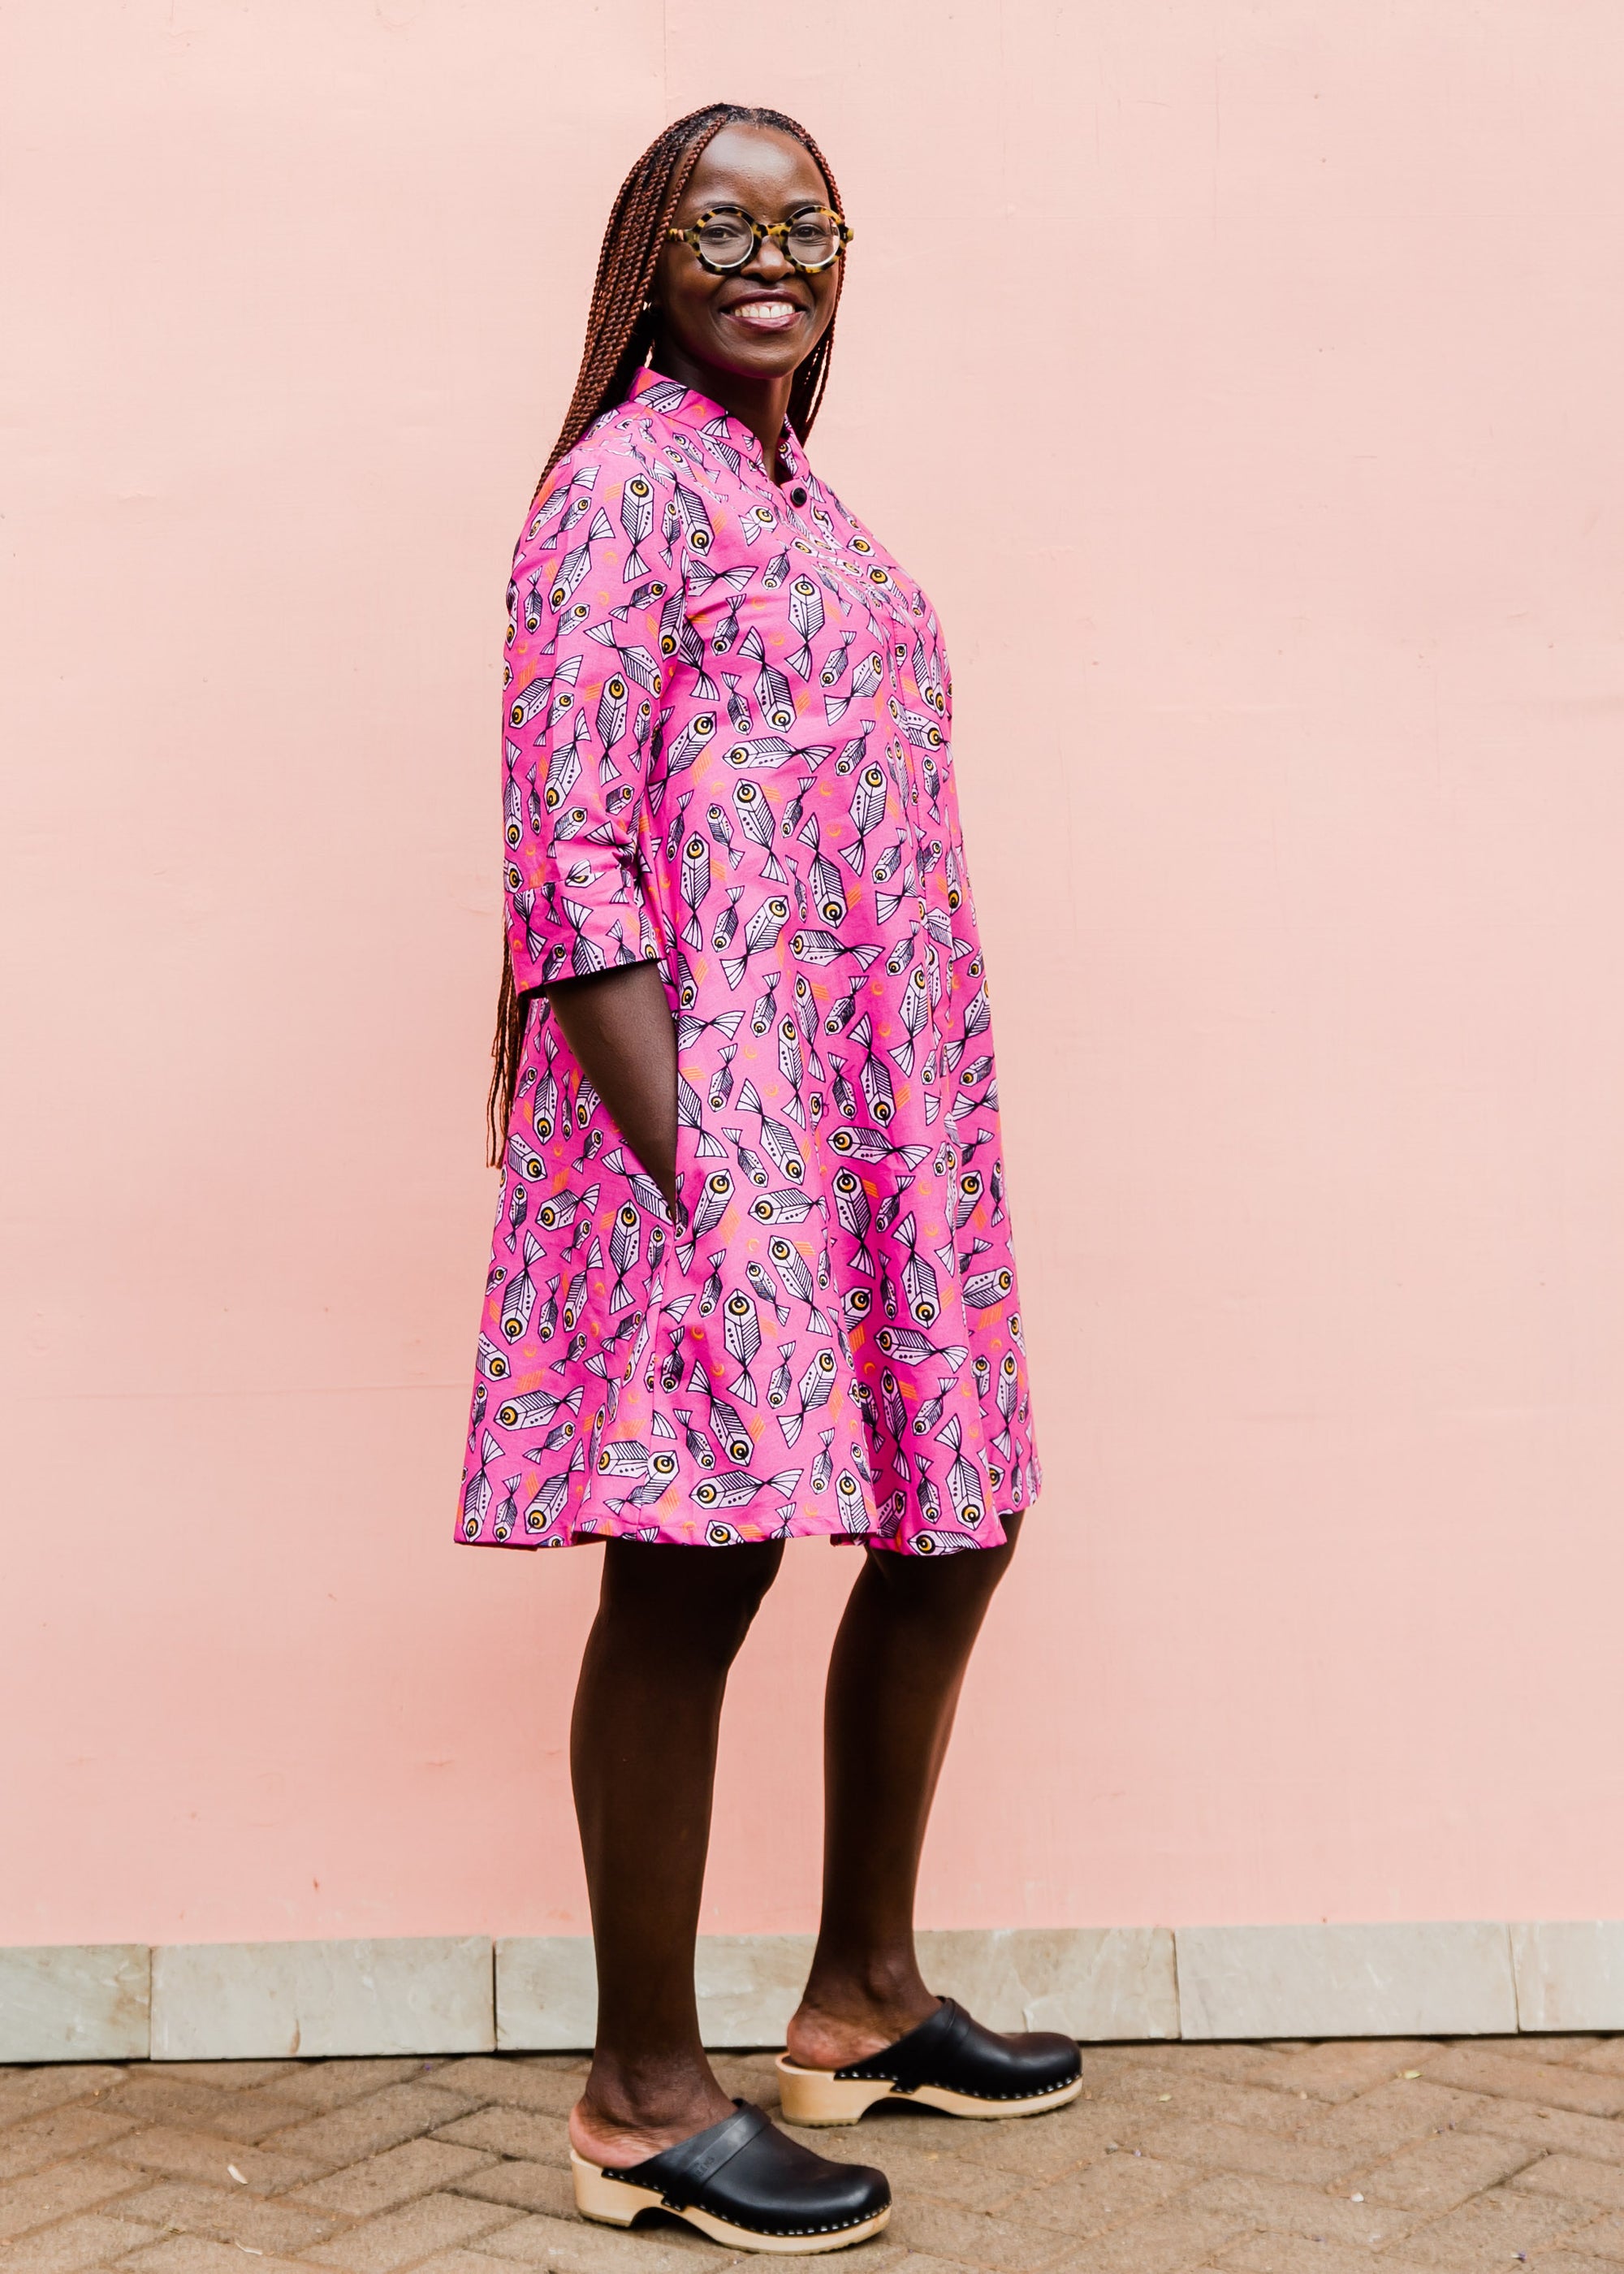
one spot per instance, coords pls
(620, 332)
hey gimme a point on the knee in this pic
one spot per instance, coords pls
(733, 1595)
(702, 1598)
(951, 1586)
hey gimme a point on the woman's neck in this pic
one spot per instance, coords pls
(761, 404)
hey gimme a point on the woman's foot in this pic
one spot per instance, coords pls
(618, 2121)
(951, 2063)
(744, 2183)
(833, 2030)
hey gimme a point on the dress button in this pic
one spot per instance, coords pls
(798, 496)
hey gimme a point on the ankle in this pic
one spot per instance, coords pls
(629, 2111)
(846, 2018)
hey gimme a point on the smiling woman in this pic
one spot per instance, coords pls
(752, 1276)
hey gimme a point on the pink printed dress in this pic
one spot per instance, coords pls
(728, 715)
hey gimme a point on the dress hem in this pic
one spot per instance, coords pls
(839, 1538)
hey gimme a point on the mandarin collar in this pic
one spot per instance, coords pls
(688, 407)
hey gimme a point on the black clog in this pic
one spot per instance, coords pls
(746, 2185)
(949, 2063)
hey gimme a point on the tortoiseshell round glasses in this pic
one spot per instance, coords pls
(726, 237)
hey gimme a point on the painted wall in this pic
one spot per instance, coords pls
(1314, 1043)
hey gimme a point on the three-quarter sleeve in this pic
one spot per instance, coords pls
(582, 703)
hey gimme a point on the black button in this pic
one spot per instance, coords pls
(798, 496)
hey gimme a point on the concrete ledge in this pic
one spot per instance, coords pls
(1099, 1984)
(75, 2002)
(265, 2001)
(248, 2001)
(546, 1993)
(1427, 1980)
(1096, 1983)
(1570, 1975)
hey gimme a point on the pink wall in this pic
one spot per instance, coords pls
(1314, 1043)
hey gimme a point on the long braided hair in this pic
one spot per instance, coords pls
(620, 333)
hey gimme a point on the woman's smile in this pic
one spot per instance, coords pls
(765, 311)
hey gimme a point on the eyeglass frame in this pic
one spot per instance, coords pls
(779, 230)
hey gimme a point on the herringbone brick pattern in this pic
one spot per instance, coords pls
(1179, 2159)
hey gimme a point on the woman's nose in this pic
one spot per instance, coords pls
(770, 260)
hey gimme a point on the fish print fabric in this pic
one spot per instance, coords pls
(726, 740)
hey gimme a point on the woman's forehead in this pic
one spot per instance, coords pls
(758, 167)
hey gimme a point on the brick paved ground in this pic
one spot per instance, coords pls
(1270, 2159)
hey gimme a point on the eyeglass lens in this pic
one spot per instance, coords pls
(726, 239)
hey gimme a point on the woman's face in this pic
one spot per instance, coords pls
(761, 321)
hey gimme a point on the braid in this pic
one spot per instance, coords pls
(620, 333)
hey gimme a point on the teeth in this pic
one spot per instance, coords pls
(765, 311)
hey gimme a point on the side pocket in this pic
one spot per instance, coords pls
(706, 1184)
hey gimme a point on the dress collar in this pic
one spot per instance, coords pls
(688, 408)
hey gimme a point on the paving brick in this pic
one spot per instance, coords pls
(457, 2262)
(1252, 2107)
(931, 2175)
(1602, 2243)
(1300, 2253)
(204, 2155)
(1576, 2181)
(401, 2237)
(251, 2114)
(417, 2167)
(1230, 2064)
(365, 2127)
(1491, 2229)
(178, 2100)
(43, 2140)
(1604, 2054)
(1168, 2241)
(1045, 2147)
(226, 2075)
(975, 2239)
(1102, 2062)
(1281, 2209)
(330, 2083)
(31, 2091)
(868, 2257)
(54, 2193)
(577, 2247)
(524, 2187)
(899, 2259)
(1514, 2078)
(1226, 2148)
(1572, 2261)
(1434, 2175)
(1343, 2068)
(509, 2083)
(227, 2214)
(195, 2254)
(93, 2239)
(510, 2132)
(1595, 2138)
(1100, 2196)
(1533, 2046)
(1388, 2118)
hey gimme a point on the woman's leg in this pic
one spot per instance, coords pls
(642, 1757)
(894, 1679)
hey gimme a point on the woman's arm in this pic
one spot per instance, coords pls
(620, 1026)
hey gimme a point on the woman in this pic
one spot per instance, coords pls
(751, 1278)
